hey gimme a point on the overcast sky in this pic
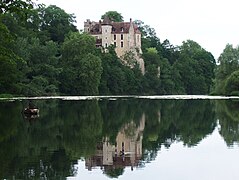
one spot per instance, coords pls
(211, 23)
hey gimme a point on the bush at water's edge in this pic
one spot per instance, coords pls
(6, 96)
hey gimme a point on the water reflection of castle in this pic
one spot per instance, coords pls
(126, 152)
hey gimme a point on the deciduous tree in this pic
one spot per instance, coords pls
(82, 68)
(113, 16)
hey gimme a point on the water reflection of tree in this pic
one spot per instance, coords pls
(228, 115)
(196, 120)
(188, 121)
(114, 172)
(69, 130)
(49, 146)
(117, 113)
(9, 127)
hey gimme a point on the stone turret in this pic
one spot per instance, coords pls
(87, 25)
(106, 26)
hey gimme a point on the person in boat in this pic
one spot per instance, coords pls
(31, 105)
(31, 109)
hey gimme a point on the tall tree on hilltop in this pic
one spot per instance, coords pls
(56, 22)
(169, 51)
(113, 16)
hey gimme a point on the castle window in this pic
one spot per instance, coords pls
(122, 44)
(115, 44)
(106, 45)
(114, 36)
(122, 36)
(106, 30)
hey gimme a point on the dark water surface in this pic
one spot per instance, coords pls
(122, 138)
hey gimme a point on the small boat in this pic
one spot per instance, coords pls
(32, 111)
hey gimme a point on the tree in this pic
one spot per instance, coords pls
(81, 66)
(9, 74)
(169, 51)
(228, 64)
(113, 16)
(196, 68)
(15, 6)
(113, 77)
(152, 68)
(42, 71)
(89, 74)
(118, 78)
(9, 63)
(56, 22)
(146, 30)
(166, 81)
(232, 84)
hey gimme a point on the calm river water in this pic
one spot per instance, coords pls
(122, 138)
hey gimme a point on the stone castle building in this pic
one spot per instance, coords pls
(125, 36)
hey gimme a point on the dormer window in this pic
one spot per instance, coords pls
(122, 29)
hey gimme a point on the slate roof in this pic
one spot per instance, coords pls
(117, 27)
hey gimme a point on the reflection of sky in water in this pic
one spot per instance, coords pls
(211, 159)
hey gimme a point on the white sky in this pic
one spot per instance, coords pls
(211, 23)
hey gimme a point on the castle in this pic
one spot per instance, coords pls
(125, 36)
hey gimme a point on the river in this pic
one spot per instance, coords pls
(122, 137)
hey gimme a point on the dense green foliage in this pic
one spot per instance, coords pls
(81, 67)
(113, 16)
(44, 54)
(18, 6)
(227, 78)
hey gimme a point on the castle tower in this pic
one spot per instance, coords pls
(106, 32)
(131, 39)
(87, 26)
